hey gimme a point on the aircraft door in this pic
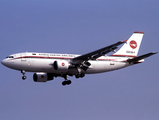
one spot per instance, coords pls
(23, 57)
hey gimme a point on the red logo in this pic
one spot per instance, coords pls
(133, 44)
(63, 64)
(42, 76)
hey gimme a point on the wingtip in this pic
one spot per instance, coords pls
(154, 52)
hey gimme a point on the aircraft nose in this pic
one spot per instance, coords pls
(8, 63)
(3, 62)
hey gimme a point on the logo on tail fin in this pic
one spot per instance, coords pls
(133, 44)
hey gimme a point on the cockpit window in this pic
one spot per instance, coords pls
(9, 57)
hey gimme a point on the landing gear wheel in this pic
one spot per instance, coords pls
(64, 83)
(82, 75)
(68, 82)
(77, 76)
(24, 77)
(23, 72)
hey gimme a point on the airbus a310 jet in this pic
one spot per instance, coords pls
(49, 65)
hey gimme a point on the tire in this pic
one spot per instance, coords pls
(77, 76)
(69, 82)
(64, 83)
(24, 77)
(82, 75)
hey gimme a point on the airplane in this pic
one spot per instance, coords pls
(47, 66)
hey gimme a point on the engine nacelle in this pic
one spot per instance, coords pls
(61, 65)
(42, 77)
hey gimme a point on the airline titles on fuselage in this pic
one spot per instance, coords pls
(57, 55)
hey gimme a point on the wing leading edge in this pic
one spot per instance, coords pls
(95, 54)
(136, 59)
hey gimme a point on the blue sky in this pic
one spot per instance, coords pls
(78, 27)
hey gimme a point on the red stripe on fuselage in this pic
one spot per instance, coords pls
(123, 55)
(44, 57)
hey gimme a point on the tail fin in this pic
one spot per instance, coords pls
(131, 47)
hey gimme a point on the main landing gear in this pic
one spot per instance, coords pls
(66, 82)
(23, 72)
(81, 75)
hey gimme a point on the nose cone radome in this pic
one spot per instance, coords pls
(7, 63)
(3, 62)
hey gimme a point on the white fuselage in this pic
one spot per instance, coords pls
(49, 65)
(43, 62)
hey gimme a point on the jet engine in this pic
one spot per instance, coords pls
(42, 77)
(61, 65)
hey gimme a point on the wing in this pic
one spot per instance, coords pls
(136, 59)
(95, 54)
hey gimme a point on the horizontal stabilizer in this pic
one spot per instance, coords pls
(136, 59)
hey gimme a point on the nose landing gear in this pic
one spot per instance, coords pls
(23, 72)
(24, 77)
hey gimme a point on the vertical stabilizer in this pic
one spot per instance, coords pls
(131, 46)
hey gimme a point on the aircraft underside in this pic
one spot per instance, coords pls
(46, 70)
